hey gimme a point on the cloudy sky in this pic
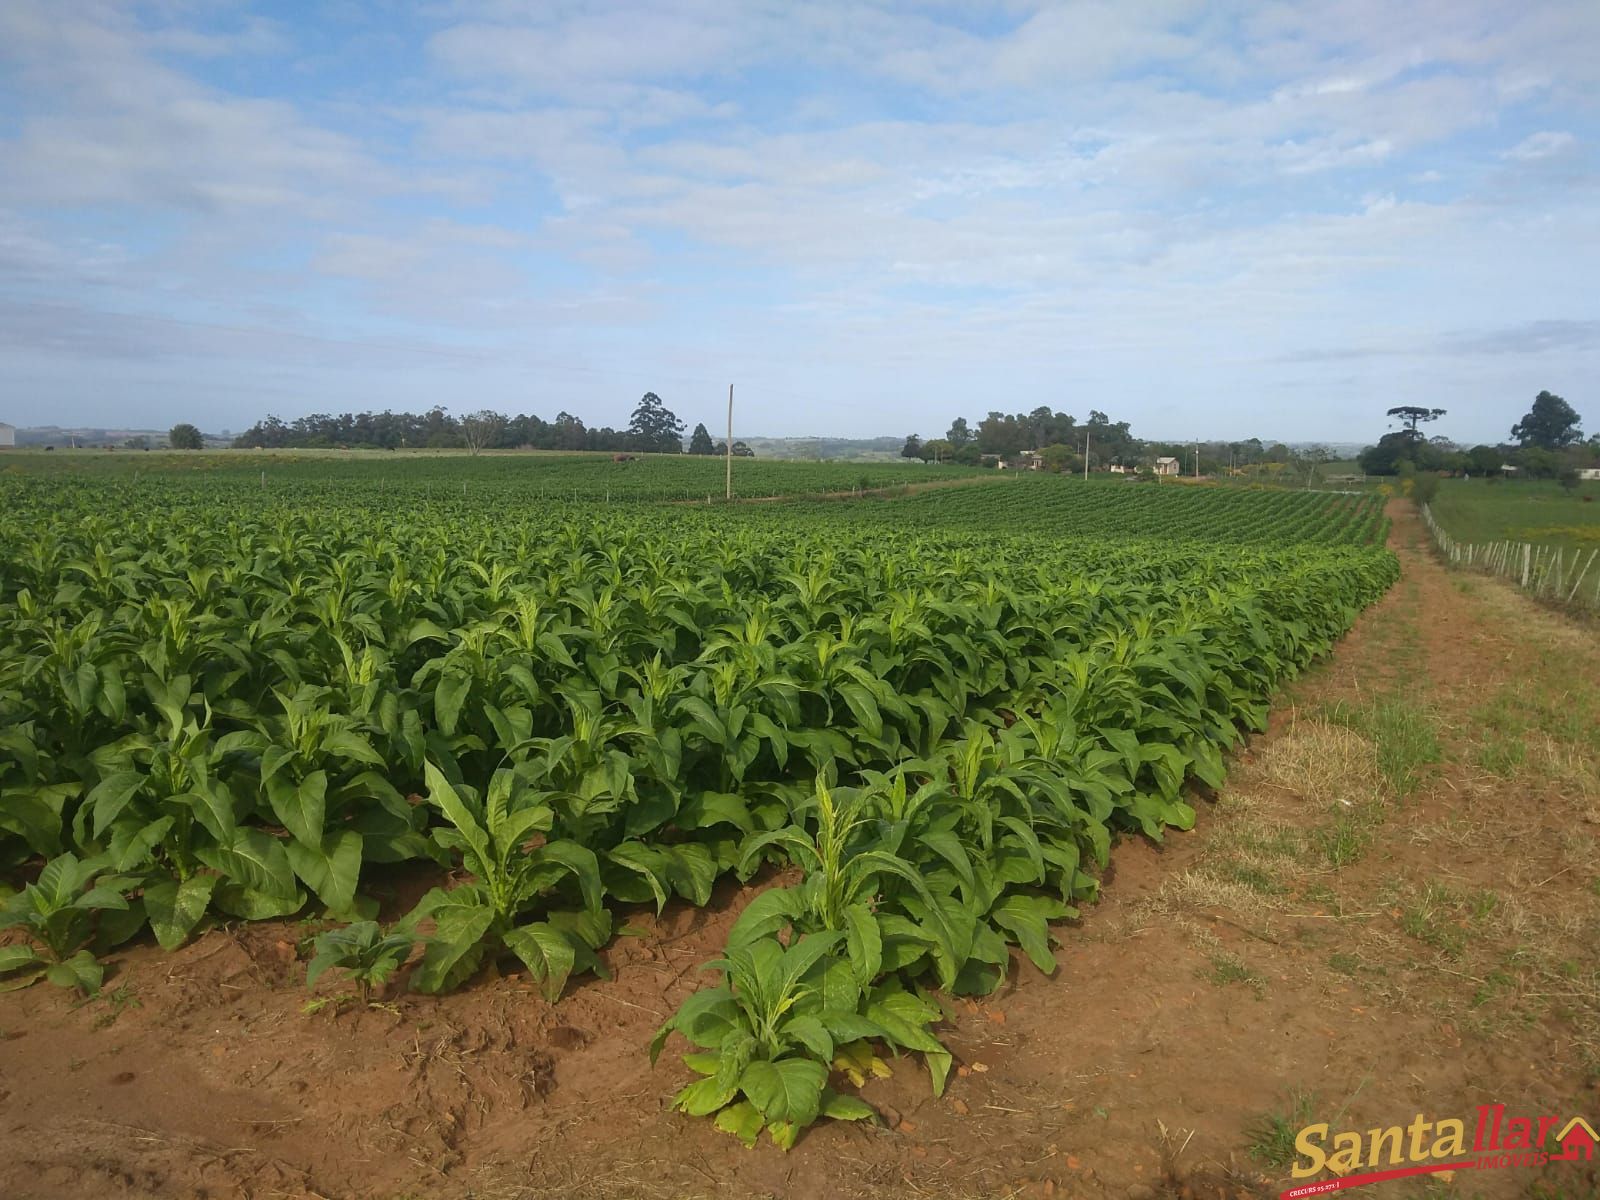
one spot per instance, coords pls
(1211, 219)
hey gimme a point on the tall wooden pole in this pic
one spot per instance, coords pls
(730, 443)
(1086, 454)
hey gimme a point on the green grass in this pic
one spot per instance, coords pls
(1226, 969)
(1251, 877)
(1437, 918)
(1403, 732)
(1541, 512)
(1272, 1136)
(1343, 842)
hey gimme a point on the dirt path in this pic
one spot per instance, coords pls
(1393, 908)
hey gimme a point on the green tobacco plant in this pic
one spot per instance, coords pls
(75, 908)
(846, 869)
(771, 1029)
(316, 777)
(367, 955)
(160, 812)
(501, 844)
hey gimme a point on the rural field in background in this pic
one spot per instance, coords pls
(1044, 837)
(1538, 511)
(535, 474)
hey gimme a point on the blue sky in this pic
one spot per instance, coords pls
(1268, 219)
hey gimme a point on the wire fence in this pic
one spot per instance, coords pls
(1562, 576)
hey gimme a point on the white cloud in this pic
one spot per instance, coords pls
(1541, 145)
(858, 200)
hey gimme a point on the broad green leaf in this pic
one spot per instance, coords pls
(743, 1120)
(811, 1033)
(301, 807)
(864, 942)
(444, 797)
(81, 971)
(705, 809)
(839, 1107)
(174, 908)
(764, 916)
(1026, 918)
(788, 1090)
(704, 1097)
(332, 869)
(111, 795)
(347, 744)
(14, 958)
(448, 696)
(456, 947)
(253, 860)
(546, 952)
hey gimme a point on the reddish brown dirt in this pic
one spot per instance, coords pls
(1127, 1074)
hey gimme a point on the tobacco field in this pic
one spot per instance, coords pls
(920, 721)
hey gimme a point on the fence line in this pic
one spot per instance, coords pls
(1547, 572)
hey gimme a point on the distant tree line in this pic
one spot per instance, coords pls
(1547, 443)
(654, 429)
(1061, 443)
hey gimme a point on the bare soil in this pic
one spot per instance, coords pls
(1324, 942)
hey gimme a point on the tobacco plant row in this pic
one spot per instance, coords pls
(210, 711)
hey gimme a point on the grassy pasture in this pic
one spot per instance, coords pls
(1537, 511)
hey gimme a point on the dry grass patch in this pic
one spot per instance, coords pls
(1323, 762)
(1512, 610)
(1199, 891)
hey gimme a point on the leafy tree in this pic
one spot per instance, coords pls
(740, 450)
(1550, 424)
(913, 447)
(1392, 450)
(1538, 463)
(656, 427)
(1412, 415)
(1484, 460)
(1110, 441)
(959, 434)
(1058, 457)
(185, 437)
(1569, 479)
(938, 450)
(1002, 434)
(570, 433)
(700, 441)
(482, 429)
(391, 430)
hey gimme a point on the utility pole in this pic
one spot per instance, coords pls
(730, 444)
(1197, 460)
(1086, 454)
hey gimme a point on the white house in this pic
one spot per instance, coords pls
(1589, 473)
(8, 435)
(1166, 466)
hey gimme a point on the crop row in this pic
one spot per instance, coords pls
(1058, 506)
(336, 477)
(209, 712)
